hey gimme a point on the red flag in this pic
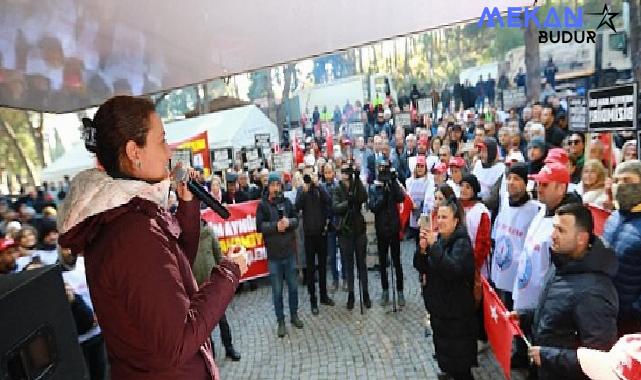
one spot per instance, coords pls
(600, 216)
(500, 329)
(329, 141)
(299, 155)
(404, 211)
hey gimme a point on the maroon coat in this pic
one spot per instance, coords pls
(155, 320)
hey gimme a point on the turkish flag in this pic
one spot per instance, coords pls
(298, 152)
(329, 141)
(600, 216)
(404, 211)
(500, 329)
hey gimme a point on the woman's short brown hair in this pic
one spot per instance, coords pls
(118, 120)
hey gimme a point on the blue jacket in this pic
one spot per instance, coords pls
(623, 233)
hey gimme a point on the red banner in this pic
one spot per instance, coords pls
(404, 211)
(500, 329)
(199, 146)
(240, 229)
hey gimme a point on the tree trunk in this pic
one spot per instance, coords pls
(635, 40)
(289, 72)
(360, 60)
(8, 130)
(38, 138)
(533, 67)
(406, 67)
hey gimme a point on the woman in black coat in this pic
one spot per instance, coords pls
(447, 259)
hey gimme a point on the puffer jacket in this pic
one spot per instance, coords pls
(578, 308)
(622, 232)
(155, 320)
(449, 297)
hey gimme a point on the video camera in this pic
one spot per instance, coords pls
(350, 170)
(386, 173)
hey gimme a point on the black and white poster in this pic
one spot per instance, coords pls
(425, 106)
(252, 158)
(356, 129)
(403, 119)
(613, 108)
(577, 113)
(223, 159)
(283, 161)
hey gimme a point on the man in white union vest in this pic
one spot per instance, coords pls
(552, 183)
(516, 212)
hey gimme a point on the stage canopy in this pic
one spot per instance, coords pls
(64, 55)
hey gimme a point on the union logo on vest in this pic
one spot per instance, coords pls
(504, 253)
(524, 279)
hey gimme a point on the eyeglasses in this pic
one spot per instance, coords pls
(574, 142)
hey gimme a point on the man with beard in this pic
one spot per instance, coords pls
(578, 306)
(623, 233)
(533, 264)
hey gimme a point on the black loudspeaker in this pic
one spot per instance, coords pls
(38, 338)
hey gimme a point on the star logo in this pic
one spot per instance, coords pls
(494, 314)
(607, 18)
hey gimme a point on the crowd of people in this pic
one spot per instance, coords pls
(508, 196)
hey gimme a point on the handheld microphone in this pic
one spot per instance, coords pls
(201, 193)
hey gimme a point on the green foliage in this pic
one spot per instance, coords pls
(10, 157)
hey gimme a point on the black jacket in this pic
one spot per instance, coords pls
(279, 244)
(314, 204)
(239, 197)
(578, 308)
(347, 203)
(554, 136)
(382, 201)
(449, 266)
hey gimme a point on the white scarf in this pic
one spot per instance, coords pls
(93, 191)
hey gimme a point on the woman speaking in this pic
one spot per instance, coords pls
(155, 320)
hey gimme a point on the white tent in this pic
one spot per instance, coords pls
(235, 128)
(73, 161)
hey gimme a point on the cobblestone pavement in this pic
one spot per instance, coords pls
(338, 343)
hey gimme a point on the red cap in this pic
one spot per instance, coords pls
(287, 177)
(552, 172)
(420, 160)
(457, 162)
(557, 155)
(440, 168)
(6, 243)
(480, 145)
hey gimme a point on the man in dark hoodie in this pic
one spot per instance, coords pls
(488, 170)
(314, 202)
(277, 221)
(579, 303)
